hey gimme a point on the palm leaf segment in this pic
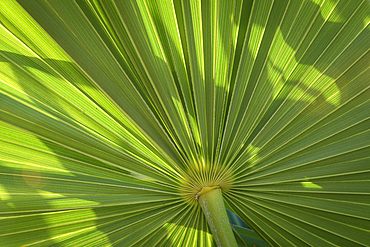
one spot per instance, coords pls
(114, 114)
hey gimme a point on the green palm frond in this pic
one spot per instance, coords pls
(115, 114)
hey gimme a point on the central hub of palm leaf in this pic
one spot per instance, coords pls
(199, 181)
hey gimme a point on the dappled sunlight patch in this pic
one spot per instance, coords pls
(12, 44)
(311, 185)
(181, 113)
(234, 34)
(174, 230)
(249, 162)
(331, 14)
(70, 202)
(82, 222)
(307, 87)
(28, 167)
(89, 232)
(141, 176)
(256, 33)
(10, 81)
(171, 228)
(195, 129)
(49, 195)
(27, 33)
(280, 56)
(4, 195)
(307, 91)
(333, 95)
(273, 74)
(318, 2)
(366, 21)
(252, 151)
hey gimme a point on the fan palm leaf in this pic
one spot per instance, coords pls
(115, 114)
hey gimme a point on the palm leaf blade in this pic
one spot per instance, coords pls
(114, 114)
